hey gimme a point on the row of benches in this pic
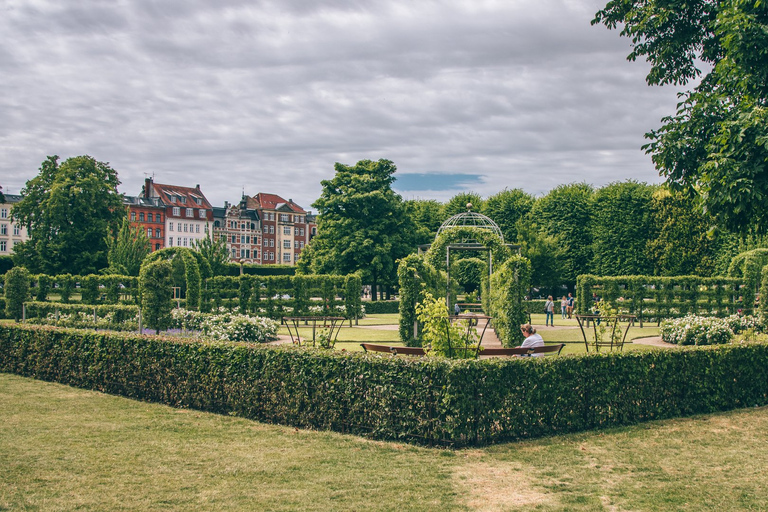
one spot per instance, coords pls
(496, 352)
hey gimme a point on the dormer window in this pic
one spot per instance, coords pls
(173, 199)
(183, 199)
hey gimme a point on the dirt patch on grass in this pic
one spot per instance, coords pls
(492, 486)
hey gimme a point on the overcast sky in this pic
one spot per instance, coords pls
(264, 96)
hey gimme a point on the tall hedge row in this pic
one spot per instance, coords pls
(657, 297)
(424, 400)
(504, 300)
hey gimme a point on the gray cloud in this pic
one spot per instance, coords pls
(266, 96)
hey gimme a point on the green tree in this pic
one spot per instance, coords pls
(683, 244)
(127, 249)
(427, 217)
(545, 253)
(155, 282)
(566, 213)
(506, 208)
(362, 223)
(621, 228)
(716, 144)
(214, 251)
(16, 291)
(458, 204)
(67, 209)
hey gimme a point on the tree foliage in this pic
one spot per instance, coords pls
(716, 144)
(458, 204)
(127, 249)
(683, 244)
(427, 217)
(544, 252)
(621, 227)
(362, 223)
(566, 213)
(214, 251)
(506, 208)
(67, 209)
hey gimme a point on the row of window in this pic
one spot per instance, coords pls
(183, 199)
(285, 217)
(244, 253)
(4, 229)
(181, 241)
(244, 239)
(189, 212)
(157, 217)
(157, 233)
(233, 224)
(187, 228)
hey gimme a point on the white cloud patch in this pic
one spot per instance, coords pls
(266, 96)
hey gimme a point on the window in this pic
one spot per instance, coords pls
(3, 246)
(149, 232)
(157, 247)
(178, 241)
(141, 216)
(287, 256)
(301, 245)
(178, 227)
(198, 201)
(271, 230)
(285, 218)
(286, 244)
(234, 253)
(197, 228)
(286, 230)
(233, 239)
(266, 243)
(3, 229)
(238, 238)
(256, 254)
(295, 244)
(242, 253)
(157, 232)
(170, 226)
(3, 213)
(183, 200)
(159, 217)
(173, 199)
(190, 212)
(133, 216)
(255, 240)
(301, 232)
(186, 227)
(176, 211)
(201, 212)
(170, 241)
(185, 241)
(150, 217)
(16, 230)
(272, 242)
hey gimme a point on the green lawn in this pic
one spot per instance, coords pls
(67, 449)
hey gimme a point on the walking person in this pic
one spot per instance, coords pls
(563, 306)
(569, 306)
(549, 310)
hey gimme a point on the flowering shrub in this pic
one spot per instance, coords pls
(742, 323)
(234, 327)
(225, 325)
(696, 330)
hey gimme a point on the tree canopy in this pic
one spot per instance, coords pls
(127, 249)
(67, 210)
(362, 224)
(506, 208)
(716, 144)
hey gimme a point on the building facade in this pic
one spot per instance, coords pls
(284, 226)
(188, 214)
(240, 226)
(149, 214)
(11, 232)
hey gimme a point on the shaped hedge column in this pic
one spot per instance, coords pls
(16, 291)
(155, 285)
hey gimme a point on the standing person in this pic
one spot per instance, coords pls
(549, 310)
(569, 306)
(531, 338)
(563, 306)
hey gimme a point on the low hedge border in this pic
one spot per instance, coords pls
(424, 400)
(381, 307)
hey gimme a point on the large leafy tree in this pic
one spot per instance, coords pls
(545, 252)
(621, 228)
(458, 204)
(506, 208)
(427, 216)
(214, 251)
(566, 213)
(127, 249)
(67, 209)
(683, 244)
(716, 144)
(362, 223)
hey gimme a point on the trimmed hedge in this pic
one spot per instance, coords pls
(381, 307)
(424, 400)
(233, 270)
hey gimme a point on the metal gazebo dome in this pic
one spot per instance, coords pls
(470, 219)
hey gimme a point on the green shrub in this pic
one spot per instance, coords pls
(43, 287)
(114, 317)
(16, 292)
(382, 307)
(423, 400)
(155, 284)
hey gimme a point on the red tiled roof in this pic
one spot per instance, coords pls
(165, 191)
(271, 202)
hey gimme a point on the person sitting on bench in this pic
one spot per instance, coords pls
(531, 338)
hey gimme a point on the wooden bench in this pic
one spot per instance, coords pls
(523, 351)
(410, 351)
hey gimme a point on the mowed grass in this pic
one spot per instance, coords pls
(68, 449)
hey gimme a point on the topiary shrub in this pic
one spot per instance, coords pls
(155, 282)
(16, 292)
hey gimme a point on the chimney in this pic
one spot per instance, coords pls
(197, 186)
(147, 187)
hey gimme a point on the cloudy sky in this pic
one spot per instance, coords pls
(264, 96)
